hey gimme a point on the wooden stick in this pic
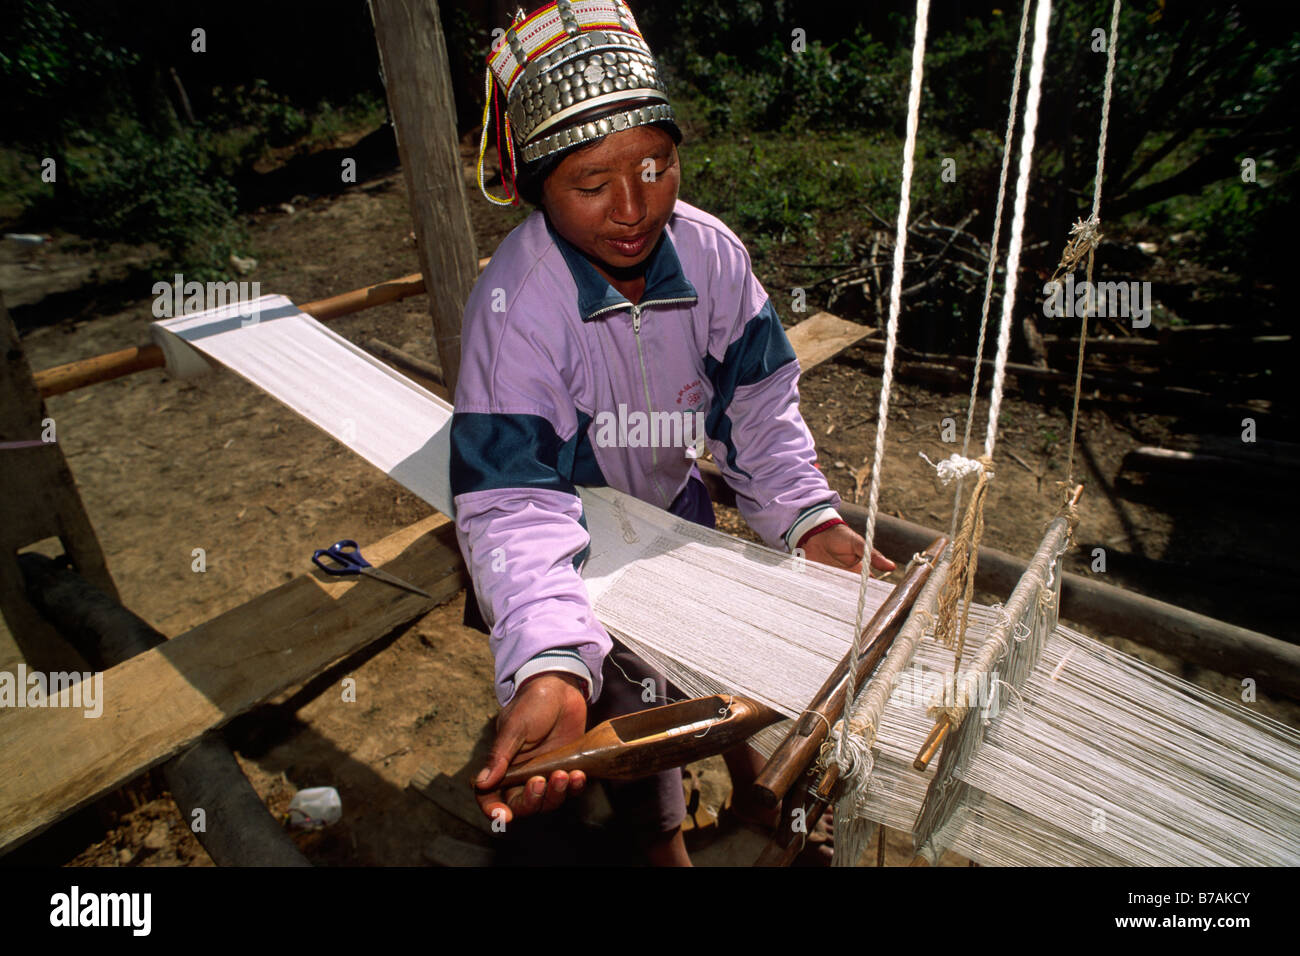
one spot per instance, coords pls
(637, 745)
(933, 741)
(100, 368)
(943, 726)
(800, 747)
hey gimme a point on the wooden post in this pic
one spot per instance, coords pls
(38, 500)
(413, 54)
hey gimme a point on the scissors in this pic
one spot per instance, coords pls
(344, 557)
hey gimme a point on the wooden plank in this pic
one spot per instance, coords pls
(413, 53)
(448, 851)
(451, 796)
(823, 336)
(54, 759)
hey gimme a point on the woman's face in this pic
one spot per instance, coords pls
(613, 200)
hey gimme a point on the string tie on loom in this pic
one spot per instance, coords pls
(723, 711)
(1085, 236)
(1017, 700)
(849, 749)
(960, 585)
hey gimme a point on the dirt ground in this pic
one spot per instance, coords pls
(165, 467)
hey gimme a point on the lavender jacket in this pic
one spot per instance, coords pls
(563, 382)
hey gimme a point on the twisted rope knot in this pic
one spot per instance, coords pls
(954, 467)
(1085, 236)
(1067, 509)
(960, 585)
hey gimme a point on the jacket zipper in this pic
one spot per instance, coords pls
(623, 305)
(645, 385)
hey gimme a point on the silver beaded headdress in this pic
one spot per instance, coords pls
(571, 71)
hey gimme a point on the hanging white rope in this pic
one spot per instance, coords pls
(891, 338)
(1105, 108)
(1041, 19)
(993, 261)
(951, 627)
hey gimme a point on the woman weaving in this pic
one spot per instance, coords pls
(613, 297)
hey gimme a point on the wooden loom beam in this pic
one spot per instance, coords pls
(104, 368)
(800, 748)
(39, 501)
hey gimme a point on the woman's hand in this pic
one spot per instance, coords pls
(549, 710)
(841, 547)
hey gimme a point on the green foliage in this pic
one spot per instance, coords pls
(130, 186)
(55, 71)
(248, 122)
(1237, 224)
(259, 107)
(788, 186)
(849, 85)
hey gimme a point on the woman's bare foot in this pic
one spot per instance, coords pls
(670, 850)
(820, 848)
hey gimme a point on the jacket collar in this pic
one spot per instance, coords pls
(664, 279)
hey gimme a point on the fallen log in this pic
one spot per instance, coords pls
(1187, 464)
(237, 829)
(53, 760)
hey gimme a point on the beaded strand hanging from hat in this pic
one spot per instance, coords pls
(570, 72)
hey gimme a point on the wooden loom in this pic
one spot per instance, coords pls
(612, 567)
(652, 578)
(128, 746)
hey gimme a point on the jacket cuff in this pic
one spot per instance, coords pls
(809, 519)
(563, 660)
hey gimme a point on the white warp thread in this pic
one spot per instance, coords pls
(993, 256)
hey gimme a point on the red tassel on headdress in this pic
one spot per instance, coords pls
(511, 189)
